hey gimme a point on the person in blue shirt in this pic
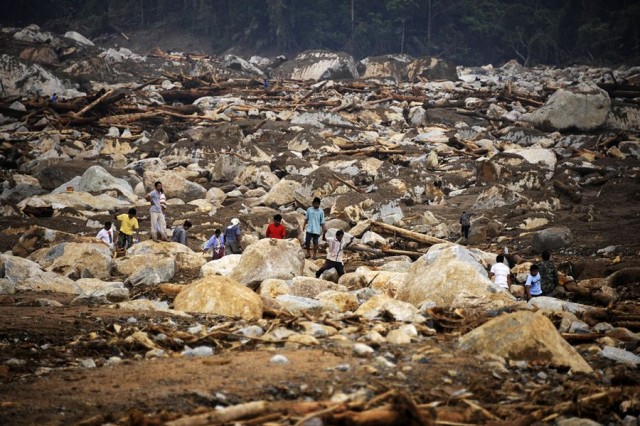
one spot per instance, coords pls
(215, 243)
(232, 237)
(532, 285)
(314, 227)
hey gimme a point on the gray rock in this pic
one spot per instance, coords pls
(551, 239)
(620, 355)
(584, 108)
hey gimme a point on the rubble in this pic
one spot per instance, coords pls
(397, 148)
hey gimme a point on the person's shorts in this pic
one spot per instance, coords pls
(311, 237)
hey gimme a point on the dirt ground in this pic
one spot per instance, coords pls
(52, 387)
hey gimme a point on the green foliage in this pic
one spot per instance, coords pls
(466, 31)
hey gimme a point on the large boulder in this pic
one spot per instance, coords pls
(174, 184)
(382, 305)
(585, 107)
(524, 336)
(432, 69)
(311, 287)
(551, 239)
(37, 237)
(223, 266)
(451, 276)
(75, 200)
(219, 295)
(20, 79)
(146, 269)
(394, 66)
(18, 274)
(76, 260)
(97, 179)
(283, 259)
(318, 65)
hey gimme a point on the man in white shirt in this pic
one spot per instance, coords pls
(334, 255)
(106, 235)
(501, 273)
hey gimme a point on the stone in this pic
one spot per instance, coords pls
(398, 337)
(525, 336)
(97, 179)
(282, 259)
(620, 355)
(174, 184)
(76, 260)
(380, 305)
(451, 276)
(39, 54)
(273, 288)
(75, 200)
(160, 271)
(551, 239)
(431, 68)
(296, 305)
(223, 266)
(585, 107)
(219, 295)
(79, 38)
(99, 292)
(317, 65)
(343, 300)
(20, 274)
(577, 421)
(362, 350)
(311, 287)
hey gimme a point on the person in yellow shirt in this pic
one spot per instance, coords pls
(128, 223)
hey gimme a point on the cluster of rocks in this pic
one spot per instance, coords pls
(393, 140)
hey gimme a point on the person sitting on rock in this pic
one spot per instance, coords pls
(314, 226)
(532, 285)
(548, 274)
(106, 234)
(128, 223)
(232, 237)
(276, 229)
(180, 233)
(215, 243)
(500, 273)
(334, 254)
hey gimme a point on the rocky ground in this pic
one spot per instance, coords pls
(397, 148)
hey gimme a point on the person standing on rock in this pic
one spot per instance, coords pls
(314, 226)
(232, 237)
(180, 233)
(465, 222)
(532, 285)
(106, 234)
(276, 229)
(158, 221)
(500, 273)
(128, 223)
(548, 274)
(334, 255)
(215, 243)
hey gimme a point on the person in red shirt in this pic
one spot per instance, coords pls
(276, 229)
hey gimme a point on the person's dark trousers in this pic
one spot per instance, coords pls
(328, 264)
(465, 231)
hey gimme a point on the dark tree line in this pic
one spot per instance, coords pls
(465, 31)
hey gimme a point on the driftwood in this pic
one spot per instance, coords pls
(94, 103)
(567, 190)
(410, 235)
(381, 252)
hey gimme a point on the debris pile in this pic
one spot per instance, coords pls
(396, 148)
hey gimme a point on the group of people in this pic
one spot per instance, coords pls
(541, 280)
(228, 241)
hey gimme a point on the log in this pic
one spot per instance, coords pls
(94, 103)
(384, 251)
(410, 235)
(581, 337)
(226, 415)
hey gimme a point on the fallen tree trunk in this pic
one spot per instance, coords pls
(410, 235)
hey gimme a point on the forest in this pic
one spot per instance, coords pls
(468, 32)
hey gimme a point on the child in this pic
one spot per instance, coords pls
(532, 285)
(106, 235)
(217, 243)
(128, 224)
(276, 230)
